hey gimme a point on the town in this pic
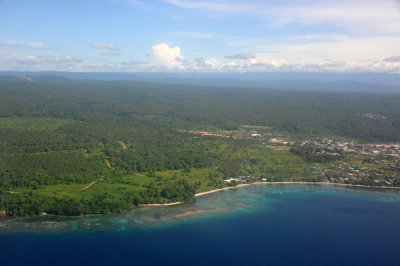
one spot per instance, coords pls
(333, 161)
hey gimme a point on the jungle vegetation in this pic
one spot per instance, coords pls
(72, 147)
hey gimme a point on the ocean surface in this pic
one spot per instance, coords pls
(256, 225)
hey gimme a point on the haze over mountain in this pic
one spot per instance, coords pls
(352, 82)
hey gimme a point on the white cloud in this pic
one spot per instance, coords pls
(241, 56)
(47, 59)
(334, 64)
(392, 59)
(106, 49)
(21, 44)
(363, 50)
(104, 46)
(170, 57)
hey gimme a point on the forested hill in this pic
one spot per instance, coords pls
(197, 107)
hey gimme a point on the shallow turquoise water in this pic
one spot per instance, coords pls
(256, 225)
(219, 205)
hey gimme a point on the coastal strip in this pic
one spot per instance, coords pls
(161, 204)
(364, 186)
(221, 189)
(291, 182)
(257, 183)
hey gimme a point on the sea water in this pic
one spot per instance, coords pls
(256, 225)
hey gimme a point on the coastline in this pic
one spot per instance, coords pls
(200, 194)
(160, 204)
(364, 186)
(257, 183)
(292, 182)
(221, 189)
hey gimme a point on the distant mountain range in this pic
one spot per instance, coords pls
(352, 82)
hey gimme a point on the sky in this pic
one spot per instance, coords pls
(200, 36)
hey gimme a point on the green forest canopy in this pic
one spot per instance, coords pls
(58, 136)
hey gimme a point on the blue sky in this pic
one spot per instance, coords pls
(203, 36)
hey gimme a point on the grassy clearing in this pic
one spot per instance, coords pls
(51, 190)
(75, 190)
(201, 176)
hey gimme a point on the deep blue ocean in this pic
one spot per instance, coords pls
(256, 225)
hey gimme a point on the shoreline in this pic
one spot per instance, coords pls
(200, 194)
(363, 186)
(160, 204)
(293, 182)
